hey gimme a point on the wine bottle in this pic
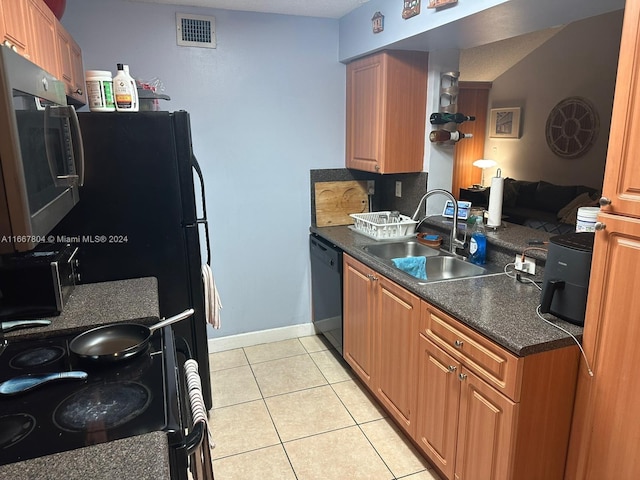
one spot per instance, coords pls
(445, 136)
(440, 118)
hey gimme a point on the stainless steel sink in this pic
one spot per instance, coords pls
(444, 268)
(440, 265)
(410, 248)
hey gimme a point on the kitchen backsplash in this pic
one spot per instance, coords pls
(414, 186)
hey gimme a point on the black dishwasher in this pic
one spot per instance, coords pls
(326, 289)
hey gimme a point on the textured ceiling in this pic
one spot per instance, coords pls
(487, 62)
(307, 8)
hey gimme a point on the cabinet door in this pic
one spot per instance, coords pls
(70, 64)
(77, 69)
(14, 27)
(358, 317)
(386, 110)
(622, 173)
(485, 431)
(396, 323)
(365, 108)
(604, 438)
(43, 45)
(438, 401)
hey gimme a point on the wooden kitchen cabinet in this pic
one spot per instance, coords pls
(604, 442)
(70, 68)
(358, 308)
(438, 405)
(380, 319)
(604, 437)
(31, 28)
(13, 26)
(397, 316)
(41, 23)
(386, 111)
(480, 409)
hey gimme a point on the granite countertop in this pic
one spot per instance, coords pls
(141, 456)
(96, 304)
(495, 305)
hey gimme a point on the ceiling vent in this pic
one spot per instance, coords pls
(195, 30)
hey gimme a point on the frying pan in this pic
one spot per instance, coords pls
(119, 341)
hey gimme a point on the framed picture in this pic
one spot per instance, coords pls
(505, 123)
(440, 3)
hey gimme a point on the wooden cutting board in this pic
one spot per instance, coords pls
(336, 200)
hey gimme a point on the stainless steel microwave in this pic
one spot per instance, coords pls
(41, 154)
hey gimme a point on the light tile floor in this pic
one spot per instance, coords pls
(293, 410)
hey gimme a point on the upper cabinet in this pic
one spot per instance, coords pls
(386, 110)
(70, 69)
(42, 40)
(13, 27)
(30, 28)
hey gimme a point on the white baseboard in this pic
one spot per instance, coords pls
(263, 336)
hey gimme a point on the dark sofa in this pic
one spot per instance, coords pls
(545, 206)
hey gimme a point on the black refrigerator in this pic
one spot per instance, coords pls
(138, 215)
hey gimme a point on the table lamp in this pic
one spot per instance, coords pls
(484, 164)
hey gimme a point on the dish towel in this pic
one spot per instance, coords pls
(201, 461)
(212, 304)
(415, 266)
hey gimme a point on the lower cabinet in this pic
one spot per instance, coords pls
(381, 319)
(474, 409)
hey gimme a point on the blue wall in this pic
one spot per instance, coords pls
(267, 105)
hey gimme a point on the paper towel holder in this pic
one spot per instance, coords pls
(484, 164)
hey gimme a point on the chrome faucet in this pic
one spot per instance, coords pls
(454, 243)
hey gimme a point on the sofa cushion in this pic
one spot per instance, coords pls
(551, 198)
(526, 193)
(510, 192)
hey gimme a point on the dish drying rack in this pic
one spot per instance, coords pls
(385, 225)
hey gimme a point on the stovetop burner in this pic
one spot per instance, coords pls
(37, 357)
(102, 406)
(15, 428)
(118, 399)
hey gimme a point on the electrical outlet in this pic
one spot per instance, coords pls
(371, 187)
(528, 265)
(398, 188)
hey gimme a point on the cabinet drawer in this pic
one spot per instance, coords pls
(484, 357)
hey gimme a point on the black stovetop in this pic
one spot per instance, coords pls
(117, 400)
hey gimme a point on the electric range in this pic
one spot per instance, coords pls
(117, 400)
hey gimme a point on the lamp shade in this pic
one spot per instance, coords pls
(485, 163)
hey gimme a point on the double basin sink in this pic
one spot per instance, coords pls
(440, 265)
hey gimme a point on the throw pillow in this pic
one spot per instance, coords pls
(569, 213)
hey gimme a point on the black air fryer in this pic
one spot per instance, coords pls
(566, 276)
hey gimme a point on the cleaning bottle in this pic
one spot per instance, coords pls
(125, 90)
(478, 243)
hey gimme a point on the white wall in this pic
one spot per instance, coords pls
(581, 60)
(267, 105)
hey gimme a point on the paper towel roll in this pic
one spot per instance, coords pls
(495, 201)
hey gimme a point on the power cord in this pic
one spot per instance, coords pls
(521, 279)
(571, 335)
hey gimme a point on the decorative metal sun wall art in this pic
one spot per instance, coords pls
(572, 127)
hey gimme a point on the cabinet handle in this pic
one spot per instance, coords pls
(604, 201)
(78, 91)
(600, 226)
(462, 377)
(377, 167)
(458, 343)
(371, 277)
(452, 368)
